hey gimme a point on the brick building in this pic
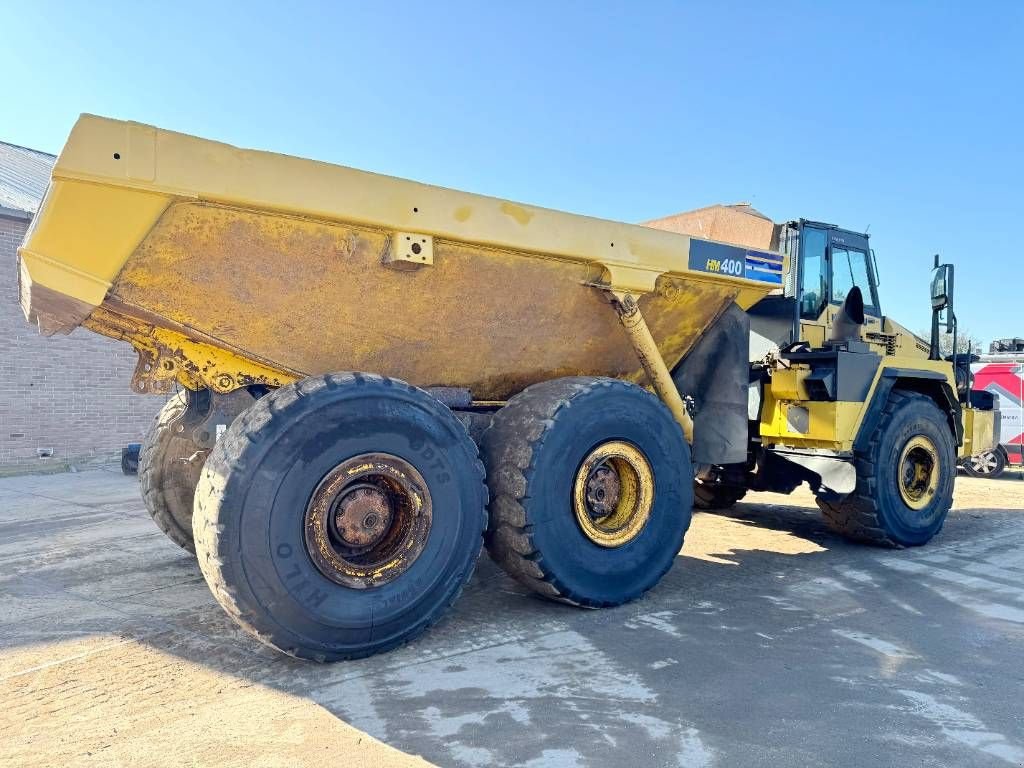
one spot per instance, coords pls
(739, 223)
(69, 396)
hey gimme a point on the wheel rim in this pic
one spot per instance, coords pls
(368, 520)
(918, 472)
(613, 493)
(985, 463)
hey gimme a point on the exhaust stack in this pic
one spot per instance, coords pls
(848, 322)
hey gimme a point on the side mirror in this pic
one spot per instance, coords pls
(942, 289)
(942, 300)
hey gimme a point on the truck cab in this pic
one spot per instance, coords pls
(825, 263)
(828, 262)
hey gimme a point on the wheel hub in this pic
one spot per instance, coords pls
(918, 472)
(362, 516)
(603, 490)
(368, 520)
(613, 493)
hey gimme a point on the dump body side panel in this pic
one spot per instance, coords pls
(287, 264)
(312, 297)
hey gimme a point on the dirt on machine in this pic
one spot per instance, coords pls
(369, 378)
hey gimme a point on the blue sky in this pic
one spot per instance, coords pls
(903, 116)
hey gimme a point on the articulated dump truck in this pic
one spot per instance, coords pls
(367, 378)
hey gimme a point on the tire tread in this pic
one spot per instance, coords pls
(217, 555)
(510, 447)
(150, 475)
(858, 517)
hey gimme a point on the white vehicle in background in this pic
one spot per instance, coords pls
(1003, 376)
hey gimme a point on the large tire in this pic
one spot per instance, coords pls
(535, 450)
(990, 464)
(708, 496)
(257, 500)
(168, 473)
(877, 512)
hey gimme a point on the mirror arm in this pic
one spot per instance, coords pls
(934, 353)
(798, 290)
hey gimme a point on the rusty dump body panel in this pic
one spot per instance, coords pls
(227, 267)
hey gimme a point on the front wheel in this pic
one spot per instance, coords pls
(990, 464)
(340, 516)
(904, 478)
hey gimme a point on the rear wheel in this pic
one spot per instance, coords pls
(990, 464)
(707, 495)
(340, 516)
(592, 490)
(169, 468)
(904, 478)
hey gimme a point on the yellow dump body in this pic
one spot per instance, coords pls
(227, 267)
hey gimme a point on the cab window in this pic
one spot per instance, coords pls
(850, 268)
(813, 272)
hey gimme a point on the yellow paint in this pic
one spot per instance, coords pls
(306, 298)
(918, 472)
(908, 345)
(979, 432)
(813, 332)
(517, 212)
(788, 383)
(277, 261)
(635, 499)
(165, 165)
(173, 356)
(80, 253)
(830, 425)
(650, 358)
(884, 336)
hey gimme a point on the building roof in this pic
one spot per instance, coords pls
(24, 174)
(738, 207)
(739, 224)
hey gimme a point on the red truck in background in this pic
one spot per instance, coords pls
(1003, 376)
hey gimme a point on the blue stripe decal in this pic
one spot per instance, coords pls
(735, 261)
(767, 258)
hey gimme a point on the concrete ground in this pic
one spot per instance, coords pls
(771, 642)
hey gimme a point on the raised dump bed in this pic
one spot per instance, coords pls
(227, 267)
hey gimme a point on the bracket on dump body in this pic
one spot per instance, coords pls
(167, 356)
(155, 373)
(409, 250)
(653, 363)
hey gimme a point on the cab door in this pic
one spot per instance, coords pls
(850, 264)
(814, 282)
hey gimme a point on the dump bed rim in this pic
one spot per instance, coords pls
(161, 167)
